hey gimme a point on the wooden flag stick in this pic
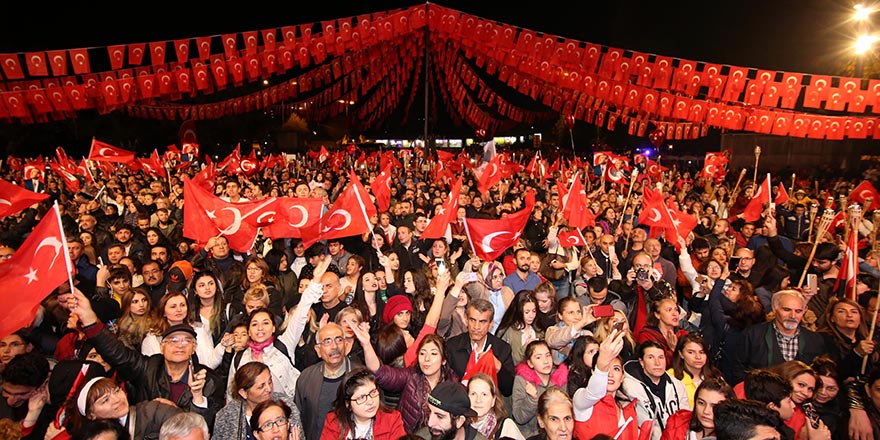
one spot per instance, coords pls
(736, 187)
(814, 209)
(870, 338)
(856, 217)
(632, 183)
(757, 158)
(827, 218)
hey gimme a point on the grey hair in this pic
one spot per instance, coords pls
(777, 297)
(482, 306)
(182, 424)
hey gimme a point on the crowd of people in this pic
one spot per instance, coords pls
(636, 335)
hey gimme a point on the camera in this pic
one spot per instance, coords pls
(641, 274)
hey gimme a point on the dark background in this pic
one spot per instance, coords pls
(809, 36)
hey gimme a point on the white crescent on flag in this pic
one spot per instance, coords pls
(487, 241)
(655, 217)
(236, 222)
(345, 214)
(53, 242)
(305, 216)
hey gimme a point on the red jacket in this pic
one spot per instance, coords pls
(677, 425)
(651, 333)
(387, 426)
(603, 420)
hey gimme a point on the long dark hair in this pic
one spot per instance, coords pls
(716, 384)
(578, 371)
(195, 303)
(513, 316)
(356, 378)
(678, 367)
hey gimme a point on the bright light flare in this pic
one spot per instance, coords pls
(864, 44)
(862, 12)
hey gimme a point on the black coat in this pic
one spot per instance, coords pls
(459, 352)
(150, 380)
(759, 349)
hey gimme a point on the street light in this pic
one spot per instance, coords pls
(864, 44)
(862, 12)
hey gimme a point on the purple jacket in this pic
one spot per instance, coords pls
(413, 388)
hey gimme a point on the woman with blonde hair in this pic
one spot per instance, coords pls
(844, 323)
(605, 327)
(134, 323)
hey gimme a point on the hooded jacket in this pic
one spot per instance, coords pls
(653, 402)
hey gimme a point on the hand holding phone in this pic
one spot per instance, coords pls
(441, 266)
(602, 311)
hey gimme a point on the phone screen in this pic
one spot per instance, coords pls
(733, 264)
(441, 265)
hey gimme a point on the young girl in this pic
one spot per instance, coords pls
(580, 362)
(699, 423)
(690, 364)
(533, 377)
(572, 320)
(516, 327)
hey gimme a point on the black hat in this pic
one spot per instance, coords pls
(452, 397)
(179, 328)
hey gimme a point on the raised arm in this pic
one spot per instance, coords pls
(300, 317)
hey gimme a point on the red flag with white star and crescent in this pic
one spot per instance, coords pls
(349, 215)
(14, 198)
(490, 238)
(447, 214)
(104, 152)
(37, 268)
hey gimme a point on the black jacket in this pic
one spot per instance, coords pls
(148, 375)
(759, 349)
(459, 352)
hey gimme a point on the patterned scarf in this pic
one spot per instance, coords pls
(486, 425)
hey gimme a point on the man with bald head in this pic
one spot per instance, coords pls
(317, 385)
(330, 303)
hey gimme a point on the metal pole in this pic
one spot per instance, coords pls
(429, 150)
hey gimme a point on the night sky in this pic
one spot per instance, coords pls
(807, 36)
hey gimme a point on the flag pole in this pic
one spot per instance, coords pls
(467, 232)
(64, 244)
(870, 338)
(632, 183)
(853, 262)
(827, 218)
(757, 158)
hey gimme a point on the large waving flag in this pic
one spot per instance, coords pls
(440, 223)
(104, 152)
(863, 192)
(490, 175)
(490, 238)
(14, 198)
(37, 268)
(349, 215)
(574, 206)
(654, 213)
(206, 215)
(294, 214)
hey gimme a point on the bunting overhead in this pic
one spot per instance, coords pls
(377, 61)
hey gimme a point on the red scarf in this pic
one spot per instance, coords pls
(257, 348)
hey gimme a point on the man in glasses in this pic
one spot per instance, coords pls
(317, 385)
(172, 374)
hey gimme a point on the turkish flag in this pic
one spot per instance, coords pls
(206, 215)
(715, 164)
(684, 223)
(249, 165)
(849, 267)
(349, 215)
(79, 58)
(572, 238)
(69, 178)
(11, 67)
(490, 238)
(381, 188)
(293, 215)
(756, 205)
(490, 176)
(101, 151)
(530, 169)
(36, 64)
(448, 212)
(781, 195)
(864, 191)
(574, 205)
(37, 268)
(614, 174)
(14, 198)
(205, 177)
(83, 170)
(655, 214)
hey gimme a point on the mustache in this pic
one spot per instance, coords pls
(336, 352)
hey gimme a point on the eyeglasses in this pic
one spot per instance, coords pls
(363, 399)
(271, 425)
(179, 340)
(328, 341)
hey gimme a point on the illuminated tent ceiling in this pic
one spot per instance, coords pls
(488, 75)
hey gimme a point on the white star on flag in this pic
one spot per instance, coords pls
(31, 275)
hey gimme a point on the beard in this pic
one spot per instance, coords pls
(447, 434)
(790, 324)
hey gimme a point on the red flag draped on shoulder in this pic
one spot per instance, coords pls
(381, 188)
(756, 205)
(104, 152)
(448, 211)
(293, 215)
(490, 238)
(37, 268)
(349, 215)
(14, 198)
(206, 215)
